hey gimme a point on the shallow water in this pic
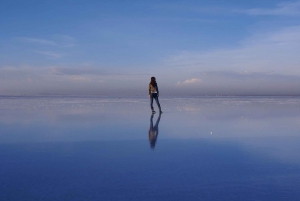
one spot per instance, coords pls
(206, 148)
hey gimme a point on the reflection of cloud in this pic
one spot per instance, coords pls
(287, 153)
(192, 108)
(286, 8)
(193, 81)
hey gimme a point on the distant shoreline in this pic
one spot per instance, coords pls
(143, 96)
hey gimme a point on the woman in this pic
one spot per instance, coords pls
(154, 93)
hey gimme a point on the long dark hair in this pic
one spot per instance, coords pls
(153, 82)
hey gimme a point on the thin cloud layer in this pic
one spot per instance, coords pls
(54, 48)
(78, 71)
(282, 9)
(53, 55)
(58, 40)
(61, 80)
(38, 41)
(276, 52)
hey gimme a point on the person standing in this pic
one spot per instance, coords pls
(154, 94)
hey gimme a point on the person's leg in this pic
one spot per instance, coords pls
(151, 101)
(157, 102)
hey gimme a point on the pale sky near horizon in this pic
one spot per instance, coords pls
(91, 47)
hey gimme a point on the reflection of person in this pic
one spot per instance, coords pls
(153, 94)
(153, 131)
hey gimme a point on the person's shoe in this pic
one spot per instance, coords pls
(153, 111)
(160, 111)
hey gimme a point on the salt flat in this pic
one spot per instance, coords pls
(96, 148)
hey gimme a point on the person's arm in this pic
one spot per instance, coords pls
(149, 91)
(157, 90)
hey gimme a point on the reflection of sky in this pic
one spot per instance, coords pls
(182, 118)
(213, 144)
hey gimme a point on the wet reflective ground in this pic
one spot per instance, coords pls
(91, 148)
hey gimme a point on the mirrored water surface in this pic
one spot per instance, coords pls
(93, 148)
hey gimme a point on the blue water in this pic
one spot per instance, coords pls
(89, 148)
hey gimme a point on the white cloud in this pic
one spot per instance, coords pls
(58, 41)
(50, 54)
(37, 41)
(65, 41)
(83, 70)
(285, 8)
(51, 48)
(193, 81)
(78, 78)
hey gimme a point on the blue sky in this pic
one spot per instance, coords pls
(114, 47)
